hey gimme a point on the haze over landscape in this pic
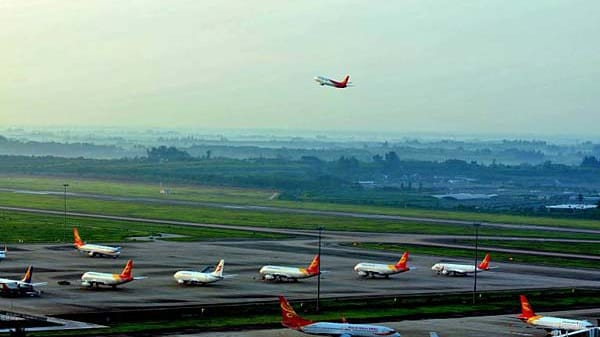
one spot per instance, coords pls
(419, 66)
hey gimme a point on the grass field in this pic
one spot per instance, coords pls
(32, 228)
(496, 256)
(262, 197)
(261, 219)
(574, 248)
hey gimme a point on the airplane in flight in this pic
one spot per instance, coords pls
(94, 250)
(91, 279)
(449, 269)
(332, 83)
(291, 320)
(279, 273)
(548, 323)
(3, 253)
(22, 287)
(365, 269)
(185, 277)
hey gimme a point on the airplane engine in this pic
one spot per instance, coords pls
(86, 284)
(92, 254)
(269, 277)
(444, 272)
(180, 281)
(363, 273)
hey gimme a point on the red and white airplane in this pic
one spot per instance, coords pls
(550, 323)
(94, 250)
(365, 269)
(91, 278)
(336, 84)
(291, 320)
(22, 287)
(449, 269)
(281, 273)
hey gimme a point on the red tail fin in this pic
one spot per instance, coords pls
(127, 271)
(345, 81)
(77, 242)
(485, 264)
(314, 267)
(526, 310)
(27, 276)
(403, 260)
(289, 318)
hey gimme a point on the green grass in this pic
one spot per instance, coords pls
(563, 247)
(260, 219)
(261, 197)
(496, 256)
(33, 228)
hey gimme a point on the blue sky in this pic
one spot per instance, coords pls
(514, 67)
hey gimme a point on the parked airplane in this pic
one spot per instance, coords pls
(191, 277)
(329, 82)
(291, 320)
(550, 323)
(22, 287)
(91, 278)
(3, 253)
(279, 273)
(365, 269)
(449, 269)
(94, 250)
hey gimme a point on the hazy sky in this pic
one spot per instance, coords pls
(419, 66)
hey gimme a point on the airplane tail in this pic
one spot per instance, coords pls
(76, 239)
(314, 267)
(127, 271)
(345, 81)
(27, 276)
(289, 318)
(526, 310)
(219, 269)
(485, 264)
(403, 260)
(5, 248)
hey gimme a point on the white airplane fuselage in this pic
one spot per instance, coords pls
(455, 269)
(91, 279)
(376, 269)
(284, 273)
(556, 323)
(99, 250)
(347, 329)
(195, 277)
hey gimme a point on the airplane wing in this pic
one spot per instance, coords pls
(39, 284)
(140, 277)
(576, 333)
(207, 269)
(228, 276)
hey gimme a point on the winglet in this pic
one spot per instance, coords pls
(127, 271)
(485, 264)
(314, 267)
(289, 317)
(526, 310)
(401, 264)
(77, 242)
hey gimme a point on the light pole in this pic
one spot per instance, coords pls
(320, 229)
(476, 225)
(65, 223)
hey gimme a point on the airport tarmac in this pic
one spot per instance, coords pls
(158, 260)
(477, 326)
